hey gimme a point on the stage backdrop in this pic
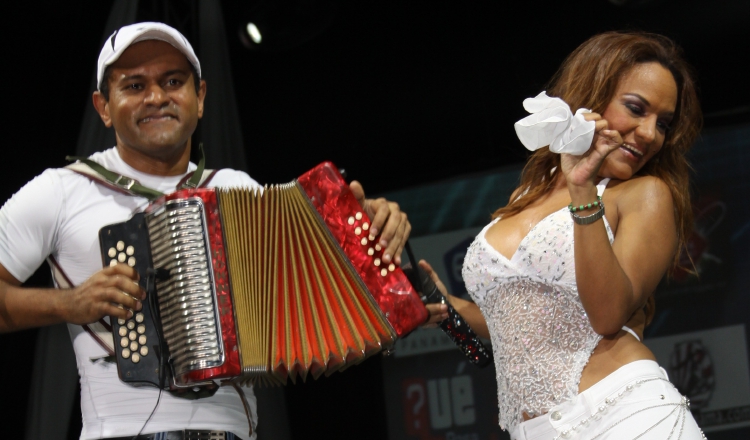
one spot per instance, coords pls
(699, 334)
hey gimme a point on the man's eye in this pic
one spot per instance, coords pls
(174, 82)
(135, 86)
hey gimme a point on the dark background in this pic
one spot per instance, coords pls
(400, 93)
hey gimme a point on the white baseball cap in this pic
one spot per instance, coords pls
(127, 35)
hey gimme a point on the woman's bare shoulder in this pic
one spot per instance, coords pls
(642, 193)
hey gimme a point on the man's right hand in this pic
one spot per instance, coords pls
(113, 291)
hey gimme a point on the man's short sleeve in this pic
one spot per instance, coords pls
(28, 224)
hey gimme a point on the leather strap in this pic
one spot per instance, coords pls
(131, 186)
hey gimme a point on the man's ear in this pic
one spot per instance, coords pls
(102, 107)
(201, 98)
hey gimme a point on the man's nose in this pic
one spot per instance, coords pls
(156, 95)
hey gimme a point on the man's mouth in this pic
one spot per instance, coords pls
(156, 118)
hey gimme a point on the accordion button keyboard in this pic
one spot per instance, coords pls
(124, 342)
(121, 322)
(131, 261)
(133, 346)
(120, 245)
(130, 250)
(132, 335)
(135, 358)
(121, 257)
(122, 331)
(139, 317)
(144, 351)
(142, 340)
(130, 325)
(113, 263)
(112, 252)
(141, 329)
(125, 353)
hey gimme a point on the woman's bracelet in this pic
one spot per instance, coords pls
(588, 219)
(587, 206)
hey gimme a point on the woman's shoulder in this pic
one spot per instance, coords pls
(639, 186)
(640, 191)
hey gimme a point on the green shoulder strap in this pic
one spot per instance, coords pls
(131, 185)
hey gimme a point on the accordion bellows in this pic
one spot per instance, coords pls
(273, 284)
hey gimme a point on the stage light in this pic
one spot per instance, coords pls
(254, 33)
(283, 24)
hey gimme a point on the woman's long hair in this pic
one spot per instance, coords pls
(588, 78)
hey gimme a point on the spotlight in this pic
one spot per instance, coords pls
(278, 25)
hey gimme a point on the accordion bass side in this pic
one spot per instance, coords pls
(257, 286)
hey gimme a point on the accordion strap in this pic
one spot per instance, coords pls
(131, 186)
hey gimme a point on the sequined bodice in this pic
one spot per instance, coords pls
(541, 336)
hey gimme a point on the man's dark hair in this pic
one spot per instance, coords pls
(108, 72)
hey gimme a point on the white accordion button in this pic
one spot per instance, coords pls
(131, 261)
(144, 350)
(358, 216)
(112, 252)
(120, 321)
(364, 241)
(122, 331)
(120, 245)
(124, 342)
(139, 317)
(142, 339)
(121, 257)
(357, 230)
(378, 247)
(135, 358)
(113, 263)
(141, 329)
(391, 267)
(125, 353)
(351, 220)
(132, 335)
(365, 226)
(377, 261)
(371, 252)
(383, 272)
(130, 250)
(133, 346)
(131, 325)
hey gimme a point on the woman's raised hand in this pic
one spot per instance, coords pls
(581, 171)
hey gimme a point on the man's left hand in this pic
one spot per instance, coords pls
(387, 220)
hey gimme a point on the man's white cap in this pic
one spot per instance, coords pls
(127, 35)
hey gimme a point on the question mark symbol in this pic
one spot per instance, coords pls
(417, 389)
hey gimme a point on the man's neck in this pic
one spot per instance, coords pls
(170, 165)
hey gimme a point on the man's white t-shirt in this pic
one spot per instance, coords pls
(59, 213)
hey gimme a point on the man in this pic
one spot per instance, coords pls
(150, 91)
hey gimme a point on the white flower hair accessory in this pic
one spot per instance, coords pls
(552, 123)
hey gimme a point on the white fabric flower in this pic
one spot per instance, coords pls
(552, 124)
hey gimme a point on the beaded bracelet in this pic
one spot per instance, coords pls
(588, 219)
(588, 206)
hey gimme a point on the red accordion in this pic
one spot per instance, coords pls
(257, 285)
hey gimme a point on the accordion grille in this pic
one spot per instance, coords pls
(187, 303)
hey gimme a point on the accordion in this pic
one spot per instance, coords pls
(258, 286)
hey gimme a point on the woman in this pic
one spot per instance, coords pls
(560, 291)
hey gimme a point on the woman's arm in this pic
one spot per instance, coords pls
(467, 309)
(615, 280)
